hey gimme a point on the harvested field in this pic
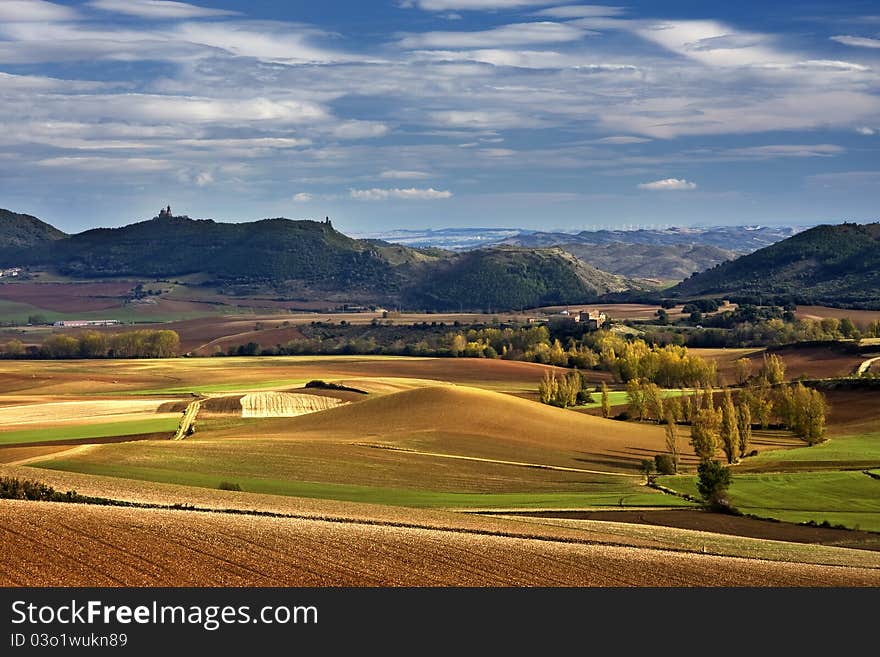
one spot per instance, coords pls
(67, 297)
(725, 524)
(811, 361)
(393, 450)
(859, 317)
(853, 411)
(283, 404)
(478, 423)
(101, 546)
(18, 453)
(184, 376)
(78, 412)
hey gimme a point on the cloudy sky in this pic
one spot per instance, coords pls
(435, 113)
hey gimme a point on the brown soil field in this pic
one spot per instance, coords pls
(725, 359)
(853, 411)
(283, 404)
(98, 377)
(57, 545)
(808, 360)
(16, 453)
(264, 337)
(67, 297)
(471, 422)
(726, 524)
(859, 317)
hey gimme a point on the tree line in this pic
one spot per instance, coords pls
(145, 343)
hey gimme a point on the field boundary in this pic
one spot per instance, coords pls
(521, 464)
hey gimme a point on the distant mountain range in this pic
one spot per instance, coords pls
(658, 254)
(312, 260)
(833, 265)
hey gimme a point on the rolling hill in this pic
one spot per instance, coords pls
(23, 230)
(830, 265)
(651, 261)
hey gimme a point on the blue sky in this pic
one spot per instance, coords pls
(441, 113)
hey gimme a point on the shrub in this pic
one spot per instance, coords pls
(713, 480)
(665, 464)
(227, 485)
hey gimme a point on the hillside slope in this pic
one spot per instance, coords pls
(23, 230)
(509, 278)
(658, 261)
(836, 265)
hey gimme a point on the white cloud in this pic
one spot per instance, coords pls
(668, 185)
(120, 165)
(196, 110)
(622, 139)
(789, 150)
(473, 5)
(377, 194)
(505, 35)
(302, 197)
(714, 43)
(858, 42)
(479, 119)
(267, 40)
(581, 11)
(497, 152)
(158, 9)
(404, 175)
(521, 59)
(360, 130)
(244, 143)
(865, 130)
(35, 11)
(204, 178)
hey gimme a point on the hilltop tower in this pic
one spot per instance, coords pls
(165, 213)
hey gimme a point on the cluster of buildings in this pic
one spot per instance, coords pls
(12, 271)
(85, 323)
(593, 320)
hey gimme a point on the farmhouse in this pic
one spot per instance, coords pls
(83, 323)
(592, 319)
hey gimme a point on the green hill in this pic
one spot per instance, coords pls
(511, 277)
(310, 259)
(23, 230)
(836, 265)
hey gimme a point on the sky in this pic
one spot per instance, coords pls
(390, 114)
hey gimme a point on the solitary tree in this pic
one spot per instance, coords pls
(773, 369)
(653, 397)
(606, 402)
(671, 439)
(713, 480)
(705, 433)
(636, 397)
(730, 438)
(743, 370)
(744, 420)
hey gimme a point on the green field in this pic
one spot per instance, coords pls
(851, 499)
(105, 430)
(617, 494)
(619, 397)
(847, 452)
